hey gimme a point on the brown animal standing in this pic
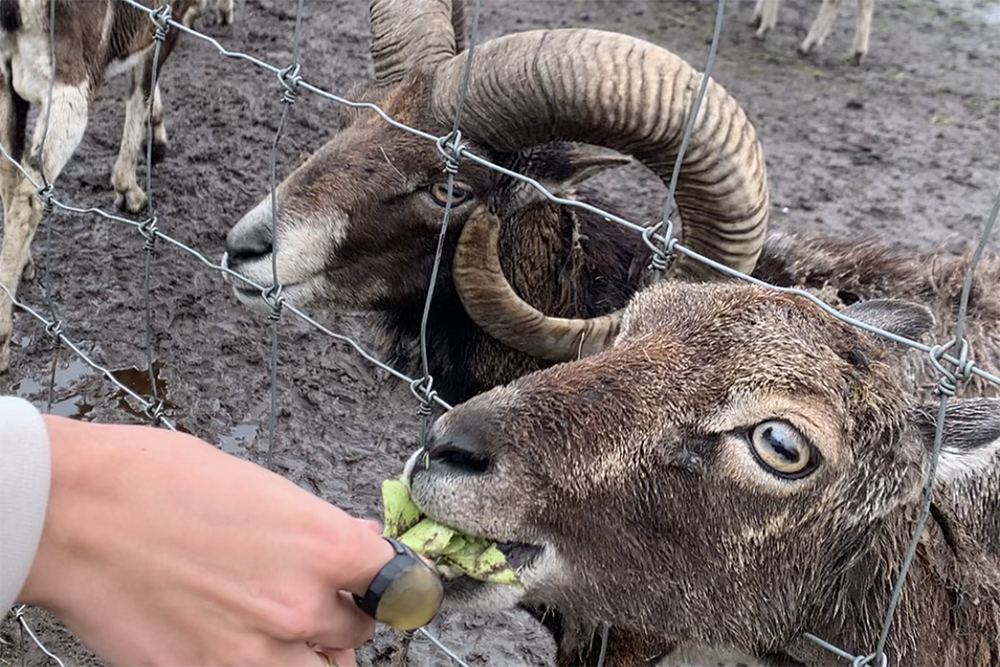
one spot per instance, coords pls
(94, 39)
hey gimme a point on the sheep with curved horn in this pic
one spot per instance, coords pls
(358, 223)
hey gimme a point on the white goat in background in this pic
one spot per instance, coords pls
(765, 16)
(93, 40)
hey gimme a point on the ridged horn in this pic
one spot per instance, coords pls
(506, 316)
(629, 95)
(634, 97)
(413, 33)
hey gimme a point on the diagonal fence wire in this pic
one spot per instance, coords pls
(954, 353)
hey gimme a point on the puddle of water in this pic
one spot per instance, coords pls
(67, 374)
(139, 381)
(73, 407)
(239, 438)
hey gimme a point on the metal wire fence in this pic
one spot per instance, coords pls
(951, 358)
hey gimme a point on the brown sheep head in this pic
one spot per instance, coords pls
(357, 224)
(713, 478)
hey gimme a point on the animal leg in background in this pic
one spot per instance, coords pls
(862, 29)
(160, 140)
(138, 112)
(822, 25)
(13, 124)
(23, 209)
(226, 12)
(765, 16)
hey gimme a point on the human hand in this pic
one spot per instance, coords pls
(160, 549)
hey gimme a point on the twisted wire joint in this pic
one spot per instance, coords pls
(149, 231)
(161, 19)
(423, 391)
(450, 146)
(54, 329)
(289, 79)
(48, 200)
(154, 410)
(663, 252)
(963, 369)
(874, 660)
(272, 297)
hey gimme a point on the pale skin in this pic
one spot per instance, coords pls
(159, 549)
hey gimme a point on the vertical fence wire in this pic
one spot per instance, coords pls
(148, 229)
(45, 281)
(945, 389)
(661, 252)
(954, 353)
(450, 147)
(289, 79)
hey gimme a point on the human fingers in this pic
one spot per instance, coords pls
(337, 657)
(343, 625)
(373, 526)
(356, 565)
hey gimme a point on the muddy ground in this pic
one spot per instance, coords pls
(906, 146)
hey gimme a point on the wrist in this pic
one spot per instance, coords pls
(79, 479)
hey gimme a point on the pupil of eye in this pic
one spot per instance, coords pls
(782, 447)
(440, 192)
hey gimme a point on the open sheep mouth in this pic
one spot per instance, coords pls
(519, 554)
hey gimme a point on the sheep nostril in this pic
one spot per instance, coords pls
(249, 245)
(459, 454)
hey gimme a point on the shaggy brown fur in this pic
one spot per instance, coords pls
(635, 470)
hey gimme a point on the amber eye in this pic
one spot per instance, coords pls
(459, 193)
(783, 450)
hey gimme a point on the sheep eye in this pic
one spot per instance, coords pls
(439, 191)
(783, 450)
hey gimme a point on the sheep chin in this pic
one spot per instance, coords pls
(468, 594)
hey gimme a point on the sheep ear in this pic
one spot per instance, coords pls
(970, 441)
(569, 164)
(903, 318)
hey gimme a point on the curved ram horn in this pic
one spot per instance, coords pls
(458, 25)
(508, 318)
(413, 33)
(623, 93)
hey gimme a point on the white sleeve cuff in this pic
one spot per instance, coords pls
(25, 476)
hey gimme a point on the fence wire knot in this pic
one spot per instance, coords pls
(149, 231)
(450, 146)
(963, 369)
(289, 79)
(54, 329)
(161, 19)
(48, 200)
(272, 297)
(154, 410)
(422, 389)
(663, 252)
(873, 660)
